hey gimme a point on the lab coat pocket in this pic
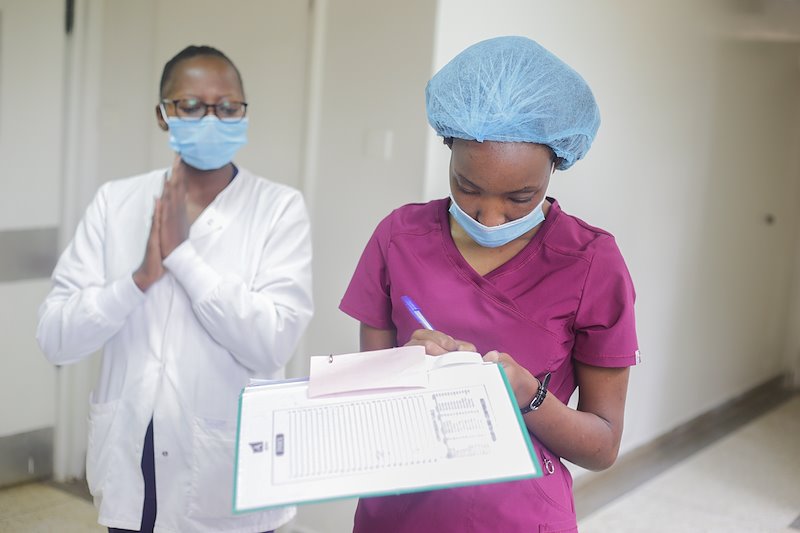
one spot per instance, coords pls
(99, 458)
(213, 444)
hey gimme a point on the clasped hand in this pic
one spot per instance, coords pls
(168, 229)
(522, 382)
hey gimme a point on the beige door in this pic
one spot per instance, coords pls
(32, 59)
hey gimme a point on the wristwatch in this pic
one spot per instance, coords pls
(538, 398)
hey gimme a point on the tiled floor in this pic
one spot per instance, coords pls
(747, 481)
(40, 508)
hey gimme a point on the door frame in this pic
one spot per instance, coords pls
(83, 70)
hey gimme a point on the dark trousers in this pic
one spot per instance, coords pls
(149, 472)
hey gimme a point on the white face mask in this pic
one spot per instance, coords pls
(495, 236)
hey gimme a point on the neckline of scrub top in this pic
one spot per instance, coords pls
(486, 284)
(523, 256)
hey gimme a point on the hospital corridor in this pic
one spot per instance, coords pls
(601, 199)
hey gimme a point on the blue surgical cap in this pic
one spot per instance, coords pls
(511, 89)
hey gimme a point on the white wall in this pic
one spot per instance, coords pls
(792, 347)
(377, 59)
(370, 158)
(697, 146)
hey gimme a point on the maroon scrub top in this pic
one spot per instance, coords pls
(567, 296)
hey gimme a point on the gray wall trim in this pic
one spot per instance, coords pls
(28, 253)
(26, 456)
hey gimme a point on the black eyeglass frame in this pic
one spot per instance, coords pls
(205, 111)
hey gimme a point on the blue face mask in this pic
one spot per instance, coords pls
(208, 143)
(494, 236)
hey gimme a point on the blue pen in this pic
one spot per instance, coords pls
(415, 312)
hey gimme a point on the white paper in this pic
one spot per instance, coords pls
(394, 368)
(462, 428)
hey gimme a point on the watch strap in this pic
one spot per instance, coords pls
(539, 397)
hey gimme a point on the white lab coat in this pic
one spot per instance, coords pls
(234, 301)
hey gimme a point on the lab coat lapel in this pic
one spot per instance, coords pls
(217, 215)
(210, 221)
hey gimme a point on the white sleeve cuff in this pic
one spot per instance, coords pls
(194, 274)
(120, 298)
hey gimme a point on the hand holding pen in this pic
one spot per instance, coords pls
(435, 342)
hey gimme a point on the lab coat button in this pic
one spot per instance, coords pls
(165, 453)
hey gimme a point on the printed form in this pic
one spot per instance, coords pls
(445, 422)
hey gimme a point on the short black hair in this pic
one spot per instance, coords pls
(188, 53)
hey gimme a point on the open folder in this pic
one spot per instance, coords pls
(378, 423)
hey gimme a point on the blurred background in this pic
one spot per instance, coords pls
(695, 170)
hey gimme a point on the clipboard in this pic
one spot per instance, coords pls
(439, 422)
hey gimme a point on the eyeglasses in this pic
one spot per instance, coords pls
(192, 109)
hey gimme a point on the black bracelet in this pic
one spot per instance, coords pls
(538, 398)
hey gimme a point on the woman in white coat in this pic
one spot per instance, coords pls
(192, 280)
